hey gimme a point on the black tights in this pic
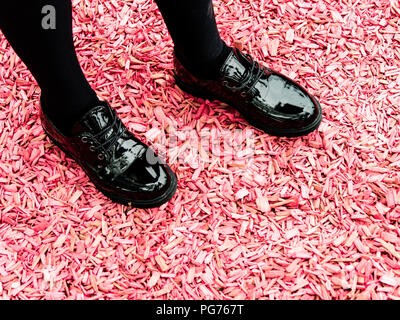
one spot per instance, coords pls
(50, 55)
(192, 26)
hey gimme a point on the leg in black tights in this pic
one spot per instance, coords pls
(50, 56)
(193, 29)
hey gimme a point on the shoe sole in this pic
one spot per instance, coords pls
(289, 133)
(126, 201)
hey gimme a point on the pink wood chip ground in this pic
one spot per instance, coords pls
(301, 218)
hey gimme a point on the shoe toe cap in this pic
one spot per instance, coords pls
(287, 103)
(147, 178)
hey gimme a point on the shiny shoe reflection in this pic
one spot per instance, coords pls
(123, 168)
(266, 98)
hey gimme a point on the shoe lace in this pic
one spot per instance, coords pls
(108, 142)
(249, 78)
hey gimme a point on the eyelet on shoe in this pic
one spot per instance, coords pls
(225, 83)
(91, 148)
(100, 157)
(243, 94)
(84, 139)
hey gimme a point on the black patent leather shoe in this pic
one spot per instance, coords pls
(266, 98)
(123, 168)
